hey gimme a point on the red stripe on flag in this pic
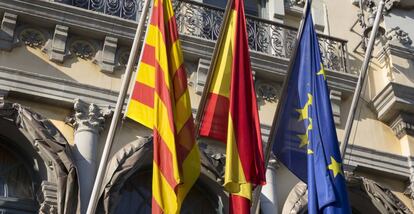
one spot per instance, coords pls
(157, 18)
(148, 56)
(186, 140)
(172, 30)
(164, 159)
(143, 94)
(155, 209)
(239, 205)
(216, 115)
(164, 94)
(180, 82)
(243, 106)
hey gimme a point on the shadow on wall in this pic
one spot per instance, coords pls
(31, 60)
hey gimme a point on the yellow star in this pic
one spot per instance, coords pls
(303, 140)
(335, 167)
(303, 112)
(310, 152)
(322, 72)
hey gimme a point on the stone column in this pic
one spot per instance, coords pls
(268, 197)
(88, 121)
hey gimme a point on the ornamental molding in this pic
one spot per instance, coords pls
(398, 35)
(298, 3)
(88, 116)
(267, 91)
(32, 37)
(82, 48)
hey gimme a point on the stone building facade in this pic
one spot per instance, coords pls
(61, 66)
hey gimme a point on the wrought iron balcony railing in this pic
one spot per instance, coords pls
(204, 21)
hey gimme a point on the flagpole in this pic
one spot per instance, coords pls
(361, 80)
(276, 122)
(118, 111)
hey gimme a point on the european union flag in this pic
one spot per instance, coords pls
(305, 140)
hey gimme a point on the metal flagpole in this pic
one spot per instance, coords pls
(361, 79)
(275, 123)
(118, 110)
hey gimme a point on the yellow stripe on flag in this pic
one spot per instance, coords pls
(141, 113)
(222, 71)
(234, 178)
(162, 191)
(146, 75)
(176, 56)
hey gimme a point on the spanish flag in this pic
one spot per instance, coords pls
(160, 101)
(229, 113)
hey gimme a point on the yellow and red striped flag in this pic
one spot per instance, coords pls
(160, 101)
(230, 112)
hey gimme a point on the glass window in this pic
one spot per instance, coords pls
(16, 189)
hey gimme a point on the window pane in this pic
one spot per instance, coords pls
(14, 178)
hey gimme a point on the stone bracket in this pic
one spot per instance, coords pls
(106, 57)
(7, 31)
(202, 72)
(57, 49)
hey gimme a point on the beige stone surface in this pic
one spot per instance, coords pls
(55, 114)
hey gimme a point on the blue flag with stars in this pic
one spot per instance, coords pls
(305, 140)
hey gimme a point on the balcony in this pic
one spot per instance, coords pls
(203, 21)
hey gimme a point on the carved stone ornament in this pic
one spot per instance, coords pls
(88, 116)
(82, 49)
(32, 37)
(47, 198)
(267, 92)
(399, 35)
(403, 125)
(299, 3)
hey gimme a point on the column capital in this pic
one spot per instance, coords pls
(88, 116)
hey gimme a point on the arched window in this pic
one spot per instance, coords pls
(16, 186)
(135, 197)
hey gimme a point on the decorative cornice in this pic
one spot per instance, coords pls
(88, 116)
(391, 164)
(403, 125)
(52, 90)
(392, 100)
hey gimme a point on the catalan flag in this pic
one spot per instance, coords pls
(230, 112)
(305, 139)
(160, 101)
